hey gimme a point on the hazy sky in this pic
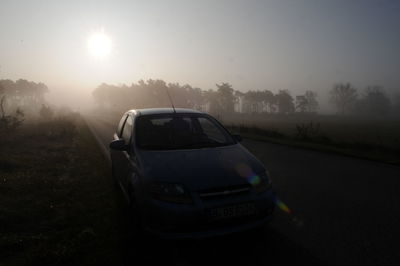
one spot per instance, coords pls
(295, 45)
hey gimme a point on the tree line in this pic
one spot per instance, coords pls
(19, 99)
(371, 101)
(225, 99)
(23, 94)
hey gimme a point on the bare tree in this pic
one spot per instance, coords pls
(374, 102)
(344, 97)
(301, 103)
(307, 103)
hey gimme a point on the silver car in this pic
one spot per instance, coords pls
(185, 175)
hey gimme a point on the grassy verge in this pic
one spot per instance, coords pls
(321, 143)
(57, 202)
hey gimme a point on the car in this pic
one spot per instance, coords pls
(186, 176)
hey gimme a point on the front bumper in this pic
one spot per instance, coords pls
(169, 220)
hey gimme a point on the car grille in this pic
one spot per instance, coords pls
(209, 194)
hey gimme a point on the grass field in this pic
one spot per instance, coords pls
(371, 131)
(57, 201)
(371, 138)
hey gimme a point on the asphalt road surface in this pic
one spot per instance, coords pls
(343, 211)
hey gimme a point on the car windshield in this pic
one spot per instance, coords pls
(171, 132)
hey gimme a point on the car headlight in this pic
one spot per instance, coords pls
(264, 183)
(170, 192)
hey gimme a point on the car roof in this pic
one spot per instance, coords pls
(155, 111)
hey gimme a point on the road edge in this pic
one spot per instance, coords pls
(104, 150)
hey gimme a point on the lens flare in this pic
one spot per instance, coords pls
(254, 180)
(245, 171)
(281, 205)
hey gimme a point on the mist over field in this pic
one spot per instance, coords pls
(321, 74)
(361, 119)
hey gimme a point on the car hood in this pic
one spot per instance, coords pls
(199, 169)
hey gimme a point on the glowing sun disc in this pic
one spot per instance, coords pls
(99, 44)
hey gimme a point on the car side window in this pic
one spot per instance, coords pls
(127, 130)
(120, 125)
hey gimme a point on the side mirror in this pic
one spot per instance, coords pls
(237, 137)
(118, 145)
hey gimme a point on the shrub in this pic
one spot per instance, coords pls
(308, 130)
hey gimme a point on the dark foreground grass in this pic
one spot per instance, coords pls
(57, 202)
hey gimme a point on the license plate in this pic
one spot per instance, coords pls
(245, 209)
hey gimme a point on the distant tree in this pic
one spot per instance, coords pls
(211, 99)
(312, 102)
(258, 101)
(157, 93)
(226, 99)
(239, 101)
(307, 103)
(46, 112)
(2, 103)
(374, 102)
(100, 94)
(179, 94)
(253, 102)
(30, 93)
(195, 98)
(24, 94)
(344, 97)
(144, 94)
(9, 122)
(301, 103)
(268, 100)
(238, 94)
(284, 102)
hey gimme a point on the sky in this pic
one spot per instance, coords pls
(254, 45)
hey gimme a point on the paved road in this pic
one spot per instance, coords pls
(344, 211)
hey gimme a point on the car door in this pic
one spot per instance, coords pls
(128, 174)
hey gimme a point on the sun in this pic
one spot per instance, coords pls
(99, 44)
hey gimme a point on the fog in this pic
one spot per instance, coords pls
(254, 45)
(276, 66)
(79, 99)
